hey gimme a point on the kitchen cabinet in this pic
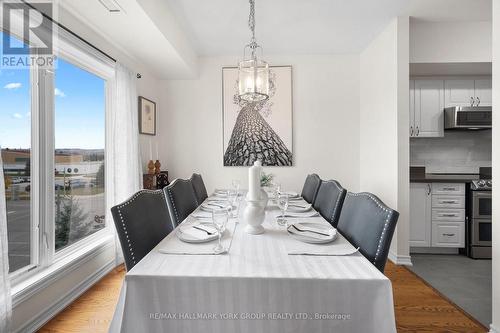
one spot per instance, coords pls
(420, 214)
(426, 108)
(462, 92)
(437, 215)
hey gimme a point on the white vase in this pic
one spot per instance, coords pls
(255, 214)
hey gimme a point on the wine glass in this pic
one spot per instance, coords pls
(236, 185)
(277, 191)
(283, 205)
(219, 219)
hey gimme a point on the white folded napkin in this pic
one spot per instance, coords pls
(299, 207)
(339, 247)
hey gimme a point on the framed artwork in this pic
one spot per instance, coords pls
(261, 130)
(147, 116)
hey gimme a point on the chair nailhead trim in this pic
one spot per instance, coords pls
(383, 208)
(335, 208)
(124, 227)
(172, 198)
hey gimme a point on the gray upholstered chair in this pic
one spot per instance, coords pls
(141, 223)
(329, 201)
(311, 187)
(367, 222)
(199, 187)
(181, 200)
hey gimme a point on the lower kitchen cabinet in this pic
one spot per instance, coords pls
(437, 215)
(420, 214)
(448, 234)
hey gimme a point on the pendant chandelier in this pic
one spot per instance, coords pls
(253, 73)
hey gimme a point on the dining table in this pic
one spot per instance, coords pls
(270, 282)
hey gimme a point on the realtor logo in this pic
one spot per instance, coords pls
(27, 34)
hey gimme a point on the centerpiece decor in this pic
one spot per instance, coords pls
(255, 210)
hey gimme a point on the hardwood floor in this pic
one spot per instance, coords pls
(418, 307)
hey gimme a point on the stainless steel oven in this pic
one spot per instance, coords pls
(481, 205)
(480, 219)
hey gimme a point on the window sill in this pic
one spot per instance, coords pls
(29, 287)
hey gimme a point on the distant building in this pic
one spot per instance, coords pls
(21, 156)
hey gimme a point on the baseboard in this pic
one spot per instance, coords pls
(494, 329)
(42, 318)
(400, 260)
(434, 250)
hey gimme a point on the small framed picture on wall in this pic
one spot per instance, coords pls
(147, 116)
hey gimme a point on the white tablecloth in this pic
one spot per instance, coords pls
(257, 287)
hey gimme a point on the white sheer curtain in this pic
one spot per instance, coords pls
(5, 296)
(123, 172)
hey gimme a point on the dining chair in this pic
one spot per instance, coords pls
(141, 223)
(366, 222)
(311, 186)
(200, 190)
(181, 200)
(329, 200)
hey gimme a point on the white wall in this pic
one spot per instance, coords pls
(384, 118)
(435, 42)
(495, 326)
(325, 122)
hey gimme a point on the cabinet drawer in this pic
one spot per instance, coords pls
(448, 234)
(448, 188)
(457, 215)
(448, 201)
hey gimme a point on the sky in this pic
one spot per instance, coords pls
(79, 107)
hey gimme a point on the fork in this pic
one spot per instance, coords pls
(309, 230)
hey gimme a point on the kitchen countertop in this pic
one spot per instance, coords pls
(418, 175)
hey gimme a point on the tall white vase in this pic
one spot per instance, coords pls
(255, 213)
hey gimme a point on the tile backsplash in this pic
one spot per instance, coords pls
(456, 152)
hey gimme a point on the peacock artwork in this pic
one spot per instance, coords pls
(259, 130)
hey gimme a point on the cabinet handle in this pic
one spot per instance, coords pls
(449, 201)
(448, 189)
(418, 131)
(472, 101)
(449, 215)
(449, 235)
(411, 130)
(428, 189)
(478, 101)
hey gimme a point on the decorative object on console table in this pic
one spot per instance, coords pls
(149, 182)
(162, 180)
(151, 167)
(157, 167)
(147, 116)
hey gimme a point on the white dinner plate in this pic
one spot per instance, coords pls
(309, 237)
(183, 233)
(292, 195)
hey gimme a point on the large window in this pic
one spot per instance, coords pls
(52, 134)
(79, 154)
(15, 140)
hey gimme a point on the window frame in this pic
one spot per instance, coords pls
(44, 259)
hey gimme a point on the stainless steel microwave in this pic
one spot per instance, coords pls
(467, 117)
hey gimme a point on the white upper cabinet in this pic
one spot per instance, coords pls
(483, 91)
(459, 92)
(428, 108)
(464, 92)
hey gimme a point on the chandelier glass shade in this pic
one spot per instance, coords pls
(253, 73)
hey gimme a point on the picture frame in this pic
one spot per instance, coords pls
(275, 116)
(147, 116)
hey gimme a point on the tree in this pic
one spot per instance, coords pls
(27, 168)
(71, 222)
(99, 177)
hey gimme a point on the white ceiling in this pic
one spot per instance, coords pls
(219, 27)
(167, 36)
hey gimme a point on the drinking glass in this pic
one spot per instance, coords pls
(276, 192)
(283, 205)
(219, 219)
(236, 185)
